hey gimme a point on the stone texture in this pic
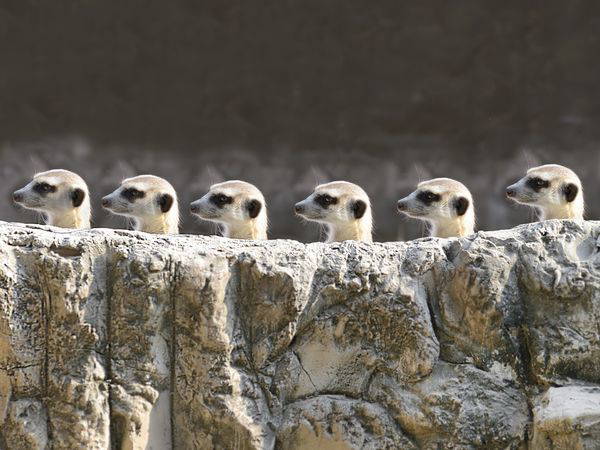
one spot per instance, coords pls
(337, 422)
(457, 404)
(116, 339)
(567, 417)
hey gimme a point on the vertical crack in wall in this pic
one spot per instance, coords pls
(430, 298)
(109, 276)
(305, 371)
(175, 274)
(522, 350)
(248, 338)
(46, 308)
(528, 379)
(3, 444)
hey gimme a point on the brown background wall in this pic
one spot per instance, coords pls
(288, 93)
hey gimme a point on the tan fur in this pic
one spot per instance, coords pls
(58, 206)
(441, 215)
(146, 211)
(340, 222)
(550, 202)
(234, 217)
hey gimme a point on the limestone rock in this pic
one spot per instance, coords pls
(458, 404)
(336, 422)
(567, 417)
(117, 339)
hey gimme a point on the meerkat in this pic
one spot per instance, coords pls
(447, 205)
(555, 191)
(239, 207)
(344, 208)
(149, 200)
(62, 196)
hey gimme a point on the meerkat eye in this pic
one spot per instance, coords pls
(428, 197)
(131, 194)
(220, 200)
(44, 188)
(537, 183)
(325, 200)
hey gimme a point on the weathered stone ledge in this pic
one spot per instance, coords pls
(138, 341)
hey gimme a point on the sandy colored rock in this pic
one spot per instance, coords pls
(457, 403)
(332, 422)
(116, 339)
(567, 417)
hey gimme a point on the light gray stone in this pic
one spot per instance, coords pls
(127, 340)
(567, 417)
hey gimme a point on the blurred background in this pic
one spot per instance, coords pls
(290, 93)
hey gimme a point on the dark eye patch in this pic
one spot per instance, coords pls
(537, 183)
(325, 200)
(428, 197)
(132, 194)
(220, 200)
(44, 188)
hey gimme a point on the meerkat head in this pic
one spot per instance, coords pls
(445, 204)
(149, 200)
(238, 206)
(554, 190)
(343, 207)
(61, 195)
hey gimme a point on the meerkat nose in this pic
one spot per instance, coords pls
(17, 197)
(194, 208)
(298, 208)
(105, 202)
(510, 192)
(401, 205)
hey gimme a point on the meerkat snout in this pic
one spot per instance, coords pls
(344, 208)
(555, 191)
(149, 200)
(239, 207)
(447, 205)
(62, 196)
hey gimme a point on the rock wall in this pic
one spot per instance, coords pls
(116, 339)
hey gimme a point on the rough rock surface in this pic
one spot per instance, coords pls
(117, 339)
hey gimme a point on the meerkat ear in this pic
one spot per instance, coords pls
(570, 190)
(358, 208)
(461, 205)
(253, 207)
(77, 196)
(165, 201)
